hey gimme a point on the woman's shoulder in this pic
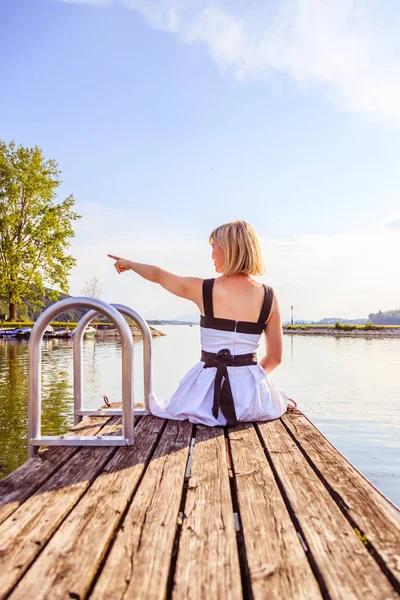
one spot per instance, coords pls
(269, 288)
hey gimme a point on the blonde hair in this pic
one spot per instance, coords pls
(242, 252)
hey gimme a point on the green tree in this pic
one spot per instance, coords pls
(35, 229)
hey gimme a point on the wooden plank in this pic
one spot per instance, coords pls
(278, 566)
(69, 562)
(25, 533)
(377, 522)
(29, 477)
(139, 562)
(208, 562)
(346, 568)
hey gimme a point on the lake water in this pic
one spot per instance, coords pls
(349, 388)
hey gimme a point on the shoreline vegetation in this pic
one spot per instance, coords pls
(344, 329)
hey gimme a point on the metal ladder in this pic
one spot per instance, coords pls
(113, 313)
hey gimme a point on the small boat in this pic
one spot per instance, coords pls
(20, 333)
(24, 333)
(8, 333)
(89, 332)
(58, 334)
(107, 332)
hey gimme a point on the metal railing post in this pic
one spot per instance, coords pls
(147, 349)
(34, 389)
(34, 376)
(78, 361)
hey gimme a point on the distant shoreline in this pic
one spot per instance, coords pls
(385, 332)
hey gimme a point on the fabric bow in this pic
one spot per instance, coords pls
(223, 398)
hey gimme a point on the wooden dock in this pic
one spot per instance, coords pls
(259, 511)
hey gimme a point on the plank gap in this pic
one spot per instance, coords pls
(243, 563)
(125, 511)
(175, 547)
(345, 511)
(190, 458)
(49, 460)
(314, 567)
(42, 545)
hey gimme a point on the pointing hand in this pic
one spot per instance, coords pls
(121, 265)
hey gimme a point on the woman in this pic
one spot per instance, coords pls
(227, 385)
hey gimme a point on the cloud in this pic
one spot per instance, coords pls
(347, 48)
(395, 224)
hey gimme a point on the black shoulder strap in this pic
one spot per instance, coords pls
(207, 298)
(266, 307)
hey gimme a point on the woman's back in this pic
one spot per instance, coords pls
(238, 335)
(238, 297)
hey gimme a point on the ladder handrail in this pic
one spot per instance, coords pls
(35, 366)
(77, 343)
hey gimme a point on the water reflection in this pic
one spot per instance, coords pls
(13, 389)
(56, 397)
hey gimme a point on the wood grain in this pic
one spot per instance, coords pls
(24, 534)
(347, 569)
(29, 477)
(139, 562)
(377, 521)
(69, 562)
(208, 562)
(103, 522)
(278, 565)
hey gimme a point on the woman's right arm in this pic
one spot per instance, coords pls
(273, 339)
(185, 287)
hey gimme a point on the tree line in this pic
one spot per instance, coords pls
(388, 317)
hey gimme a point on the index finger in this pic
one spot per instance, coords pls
(114, 257)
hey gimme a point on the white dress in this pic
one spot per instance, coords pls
(255, 396)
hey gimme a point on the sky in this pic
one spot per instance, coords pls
(170, 117)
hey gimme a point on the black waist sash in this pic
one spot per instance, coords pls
(223, 393)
